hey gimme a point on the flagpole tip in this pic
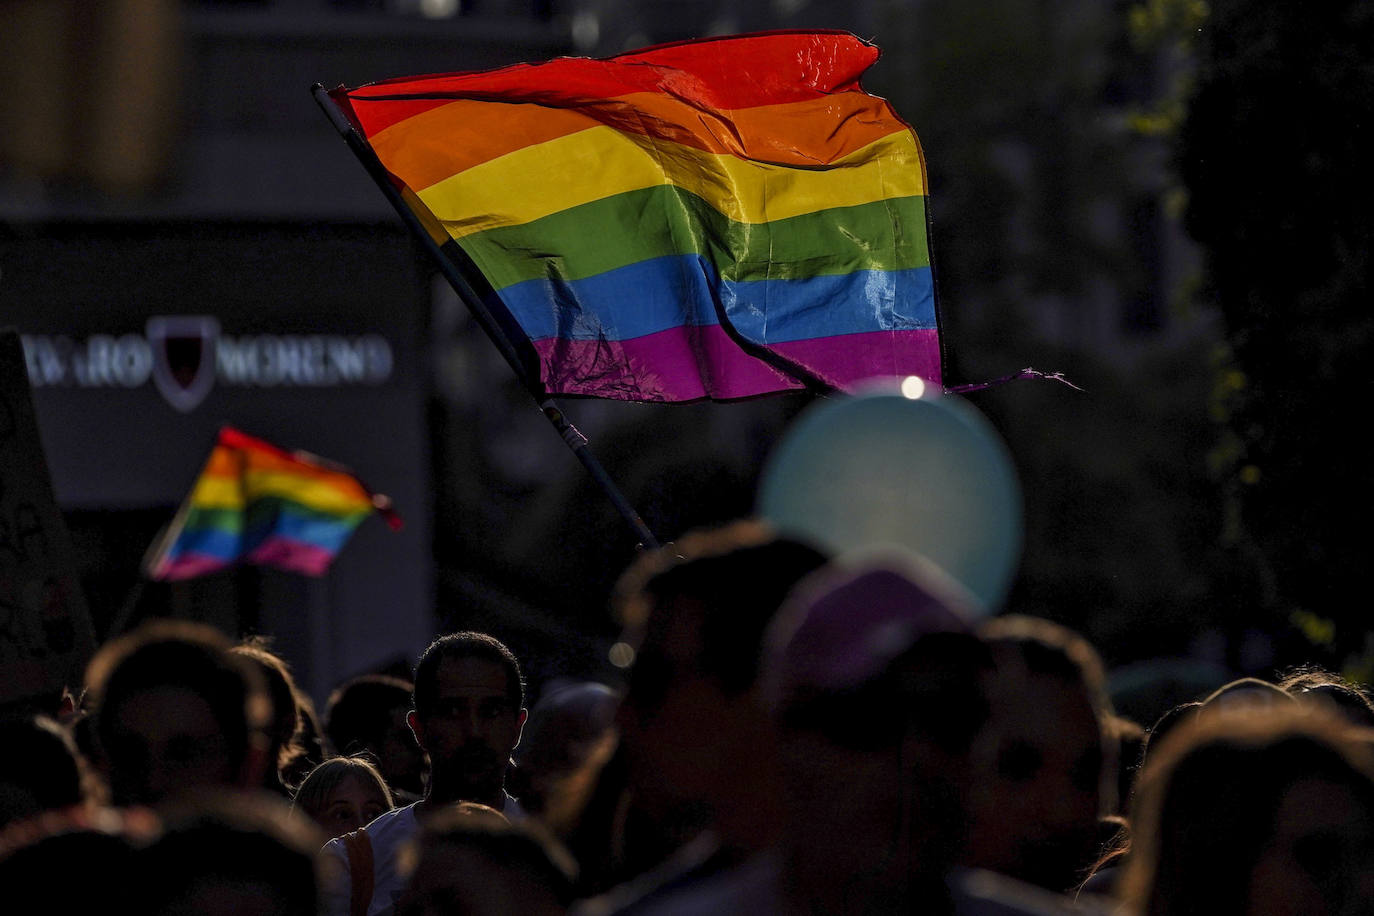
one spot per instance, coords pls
(383, 504)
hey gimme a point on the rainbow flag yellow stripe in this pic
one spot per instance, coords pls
(601, 162)
(256, 503)
(721, 218)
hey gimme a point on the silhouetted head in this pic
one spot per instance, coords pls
(229, 856)
(468, 715)
(696, 612)
(1046, 778)
(874, 678)
(474, 861)
(367, 714)
(1316, 685)
(1255, 811)
(175, 710)
(570, 733)
(1245, 693)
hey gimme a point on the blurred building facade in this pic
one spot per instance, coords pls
(165, 165)
(135, 124)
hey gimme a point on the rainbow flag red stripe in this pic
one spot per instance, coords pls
(719, 218)
(256, 503)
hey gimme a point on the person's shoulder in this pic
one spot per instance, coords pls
(402, 819)
(396, 821)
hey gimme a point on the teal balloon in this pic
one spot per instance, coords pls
(880, 469)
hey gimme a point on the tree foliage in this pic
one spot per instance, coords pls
(1275, 152)
(1049, 216)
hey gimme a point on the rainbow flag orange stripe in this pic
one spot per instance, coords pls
(719, 218)
(256, 503)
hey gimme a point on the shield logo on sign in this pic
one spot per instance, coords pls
(183, 357)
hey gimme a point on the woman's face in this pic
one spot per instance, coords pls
(353, 803)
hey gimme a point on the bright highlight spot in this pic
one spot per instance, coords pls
(622, 655)
(439, 9)
(913, 387)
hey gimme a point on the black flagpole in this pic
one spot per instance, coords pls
(464, 288)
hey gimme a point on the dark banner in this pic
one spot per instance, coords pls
(45, 630)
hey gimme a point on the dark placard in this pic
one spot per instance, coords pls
(45, 627)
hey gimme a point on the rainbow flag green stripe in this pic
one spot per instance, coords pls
(718, 219)
(324, 528)
(256, 503)
(221, 535)
(667, 220)
(600, 162)
(223, 522)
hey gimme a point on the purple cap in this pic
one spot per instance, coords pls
(847, 622)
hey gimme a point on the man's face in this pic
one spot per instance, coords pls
(165, 741)
(471, 729)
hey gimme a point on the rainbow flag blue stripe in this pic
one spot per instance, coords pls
(711, 219)
(256, 503)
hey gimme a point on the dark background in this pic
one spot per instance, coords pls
(1165, 201)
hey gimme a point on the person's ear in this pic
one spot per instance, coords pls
(417, 729)
(520, 721)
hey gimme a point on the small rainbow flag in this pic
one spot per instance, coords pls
(710, 219)
(257, 503)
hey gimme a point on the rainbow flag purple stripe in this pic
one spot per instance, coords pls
(712, 219)
(256, 503)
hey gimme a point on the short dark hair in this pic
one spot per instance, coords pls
(525, 849)
(1209, 799)
(178, 653)
(1044, 647)
(466, 644)
(230, 837)
(1313, 682)
(358, 713)
(738, 575)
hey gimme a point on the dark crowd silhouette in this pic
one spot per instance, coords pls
(796, 734)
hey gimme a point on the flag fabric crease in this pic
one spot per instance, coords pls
(256, 503)
(710, 219)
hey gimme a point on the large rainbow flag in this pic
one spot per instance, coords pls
(718, 218)
(256, 503)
